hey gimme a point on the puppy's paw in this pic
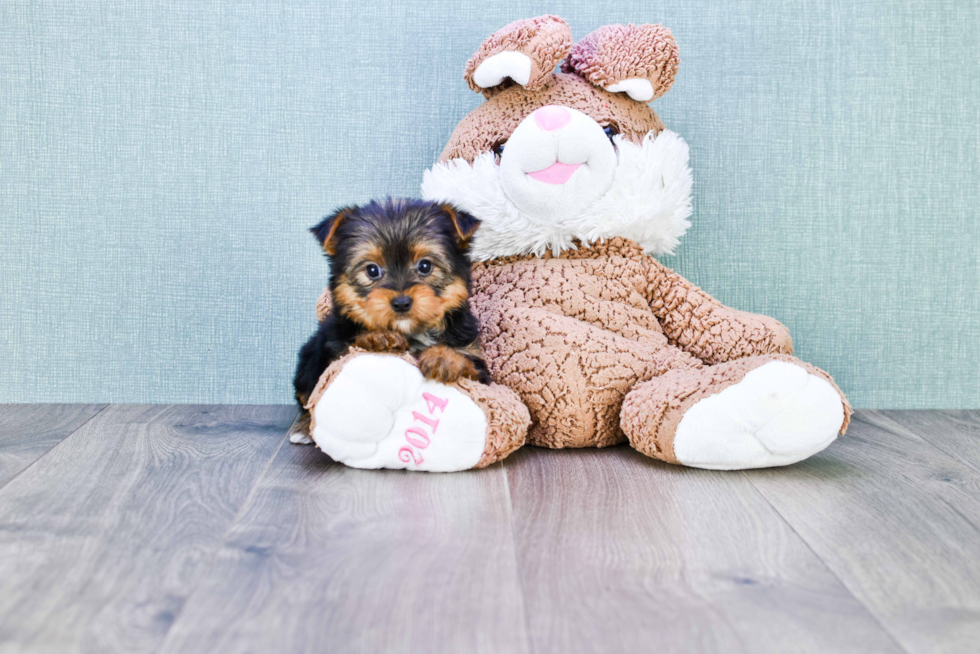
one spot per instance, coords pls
(381, 342)
(444, 364)
(299, 433)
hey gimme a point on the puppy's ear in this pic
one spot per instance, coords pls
(639, 60)
(464, 223)
(524, 52)
(326, 231)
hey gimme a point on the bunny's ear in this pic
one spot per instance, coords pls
(524, 52)
(639, 60)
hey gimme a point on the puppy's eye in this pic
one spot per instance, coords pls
(374, 272)
(424, 266)
(610, 131)
(498, 151)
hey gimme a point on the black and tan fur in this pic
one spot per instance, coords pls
(398, 237)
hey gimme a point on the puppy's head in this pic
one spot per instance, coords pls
(398, 264)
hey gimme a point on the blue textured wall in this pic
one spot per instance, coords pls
(160, 162)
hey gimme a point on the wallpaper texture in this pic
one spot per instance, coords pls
(160, 163)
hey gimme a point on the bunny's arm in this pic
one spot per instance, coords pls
(704, 327)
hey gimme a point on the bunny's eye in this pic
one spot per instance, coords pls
(498, 151)
(610, 131)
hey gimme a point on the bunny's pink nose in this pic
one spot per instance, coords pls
(552, 117)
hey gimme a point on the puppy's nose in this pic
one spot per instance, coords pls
(552, 117)
(401, 304)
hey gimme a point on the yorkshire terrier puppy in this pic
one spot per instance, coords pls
(400, 282)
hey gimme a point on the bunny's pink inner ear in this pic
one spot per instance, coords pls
(639, 60)
(524, 52)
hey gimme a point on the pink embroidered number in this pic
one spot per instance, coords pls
(417, 436)
(434, 402)
(421, 442)
(427, 420)
(408, 455)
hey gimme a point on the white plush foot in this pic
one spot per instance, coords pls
(379, 412)
(776, 415)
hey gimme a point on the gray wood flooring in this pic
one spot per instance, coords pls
(201, 529)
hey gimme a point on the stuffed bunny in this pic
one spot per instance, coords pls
(577, 184)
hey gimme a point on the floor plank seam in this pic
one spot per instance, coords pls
(967, 461)
(517, 561)
(224, 536)
(893, 426)
(56, 445)
(874, 616)
(975, 467)
(900, 430)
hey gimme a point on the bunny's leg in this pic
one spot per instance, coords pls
(755, 412)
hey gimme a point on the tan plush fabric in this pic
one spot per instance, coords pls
(573, 334)
(614, 53)
(703, 326)
(653, 409)
(545, 40)
(507, 417)
(323, 305)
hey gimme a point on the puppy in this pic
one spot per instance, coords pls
(399, 281)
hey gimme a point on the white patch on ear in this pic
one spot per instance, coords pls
(502, 65)
(637, 88)
(648, 202)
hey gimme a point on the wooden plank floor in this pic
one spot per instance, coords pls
(201, 529)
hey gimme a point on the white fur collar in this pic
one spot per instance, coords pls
(649, 202)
